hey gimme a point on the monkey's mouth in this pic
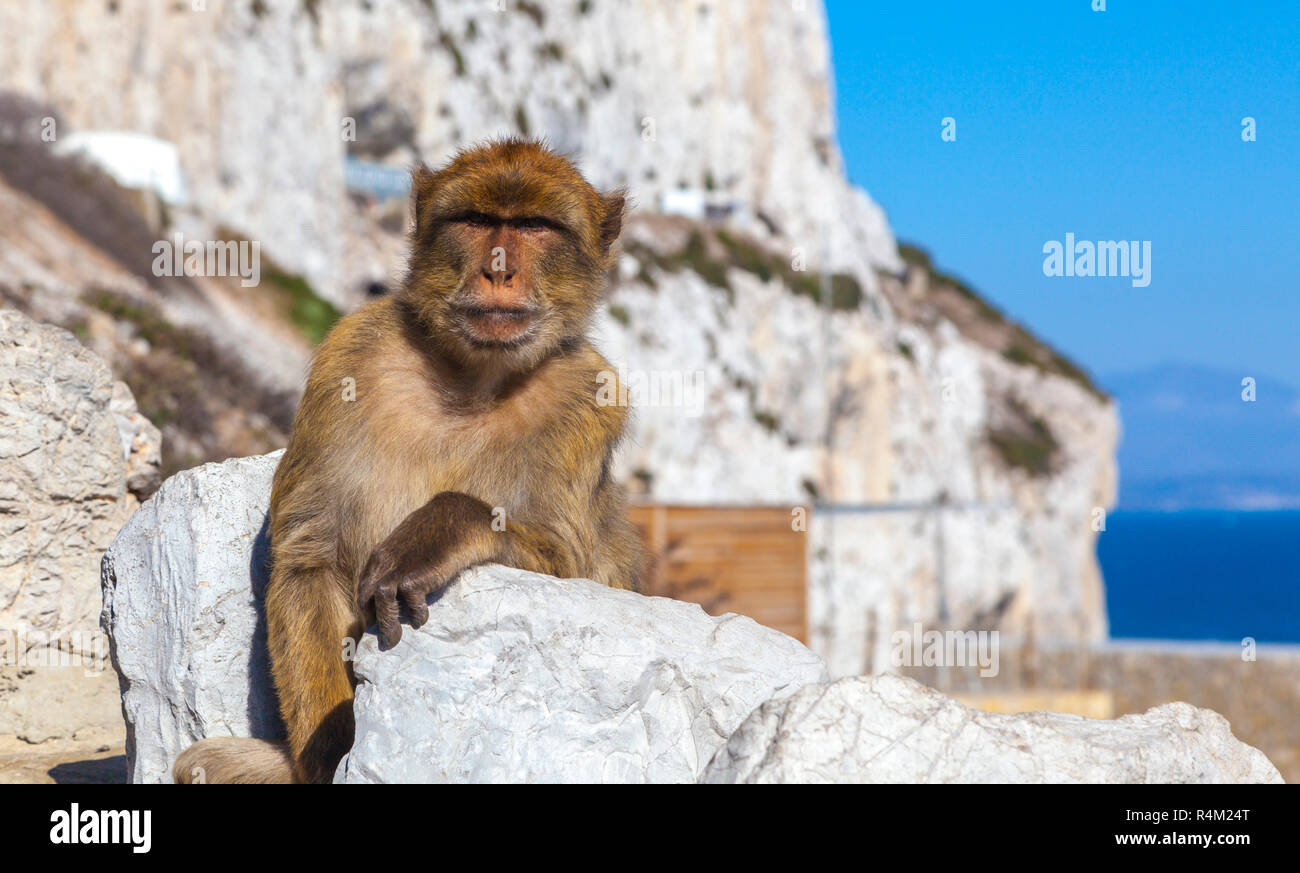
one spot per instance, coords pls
(498, 325)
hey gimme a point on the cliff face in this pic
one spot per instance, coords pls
(953, 486)
(988, 454)
(260, 99)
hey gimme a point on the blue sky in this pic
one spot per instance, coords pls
(1123, 124)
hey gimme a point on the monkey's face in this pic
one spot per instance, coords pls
(507, 294)
(510, 252)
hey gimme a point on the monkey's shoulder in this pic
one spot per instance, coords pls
(360, 362)
(358, 337)
(368, 356)
(591, 392)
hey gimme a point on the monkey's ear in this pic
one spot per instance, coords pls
(422, 185)
(611, 220)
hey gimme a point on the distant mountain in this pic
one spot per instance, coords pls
(1190, 440)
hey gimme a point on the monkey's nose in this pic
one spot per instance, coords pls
(499, 277)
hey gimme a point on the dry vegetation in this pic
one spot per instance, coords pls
(712, 252)
(981, 321)
(197, 391)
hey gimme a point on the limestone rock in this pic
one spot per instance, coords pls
(182, 589)
(141, 444)
(586, 76)
(525, 678)
(516, 676)
(44, 705)
(891, 729)
(72, 446)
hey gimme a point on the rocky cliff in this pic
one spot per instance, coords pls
(965, 461)
(264, 99)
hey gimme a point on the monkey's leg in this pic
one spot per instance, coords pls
(450, 533)
(533, 548)
(619, 560)
(234, 761)
(309, 615)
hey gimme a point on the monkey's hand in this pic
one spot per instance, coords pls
(451, 532)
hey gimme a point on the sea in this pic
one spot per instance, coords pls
(1202, 575)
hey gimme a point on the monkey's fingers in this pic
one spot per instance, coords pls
(416, 602)
(374, 572)
(386, 614)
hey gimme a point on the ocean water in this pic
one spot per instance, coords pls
(1203, 575)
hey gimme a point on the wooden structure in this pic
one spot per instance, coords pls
(745, 559)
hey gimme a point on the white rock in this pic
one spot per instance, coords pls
(182, 588)
(891, 729)
(73, 454)
(525, 678)
(516, 676)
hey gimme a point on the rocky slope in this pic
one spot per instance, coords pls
(214, 365)
(900, 391)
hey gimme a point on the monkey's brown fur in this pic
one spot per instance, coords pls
(475, 390)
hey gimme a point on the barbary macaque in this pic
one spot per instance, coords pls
(452, 423)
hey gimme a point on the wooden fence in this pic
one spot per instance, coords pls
(744, 559)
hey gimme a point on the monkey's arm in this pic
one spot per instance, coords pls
(450, 533)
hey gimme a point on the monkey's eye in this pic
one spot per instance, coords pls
(533, 223)
(477, 219)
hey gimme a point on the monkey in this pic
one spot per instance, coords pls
(451, 423)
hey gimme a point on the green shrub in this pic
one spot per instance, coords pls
(1026, 442)
(312, 314)
(449, 45)
(521, 120)
(769, 421)
(745, 254)
(186, 382)
(533, 11)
